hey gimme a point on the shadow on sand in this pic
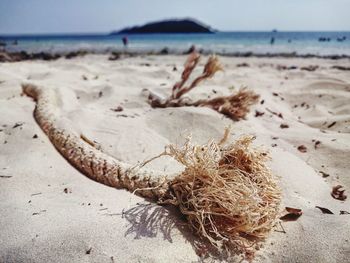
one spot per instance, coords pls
(150, 220)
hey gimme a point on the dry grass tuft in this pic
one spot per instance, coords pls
(211, 67)
(189, 66)
(227, 193)
(235, 106)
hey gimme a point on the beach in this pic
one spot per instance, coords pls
(50, 212)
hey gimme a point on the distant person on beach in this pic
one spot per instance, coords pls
(272, 41)
(191, 49)
(125, 41)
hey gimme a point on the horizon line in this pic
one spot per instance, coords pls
(104, 33)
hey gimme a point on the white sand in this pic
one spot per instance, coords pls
(69, 224)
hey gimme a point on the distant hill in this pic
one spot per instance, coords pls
(168, 26)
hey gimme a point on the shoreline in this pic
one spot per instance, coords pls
(6, 56)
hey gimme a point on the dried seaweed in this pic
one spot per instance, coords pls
(235, 106)
(227, 193)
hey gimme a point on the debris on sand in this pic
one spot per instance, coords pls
(235, 106)
(292, 215)
(259, 113)
(324, 175)
(331, 125)
(302, 148)
(325, 210)
(338, 193)
(118, 109)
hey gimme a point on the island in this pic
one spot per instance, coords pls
(168, 26)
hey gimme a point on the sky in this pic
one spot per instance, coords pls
(100, 16)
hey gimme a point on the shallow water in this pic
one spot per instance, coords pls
(221, 42)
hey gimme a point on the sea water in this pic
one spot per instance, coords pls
(337, 43)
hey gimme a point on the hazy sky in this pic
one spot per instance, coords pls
(69, 16)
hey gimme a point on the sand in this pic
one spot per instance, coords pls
(52, 213)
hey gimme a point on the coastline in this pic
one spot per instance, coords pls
(8, 56)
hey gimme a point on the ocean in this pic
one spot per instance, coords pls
(301, 43)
